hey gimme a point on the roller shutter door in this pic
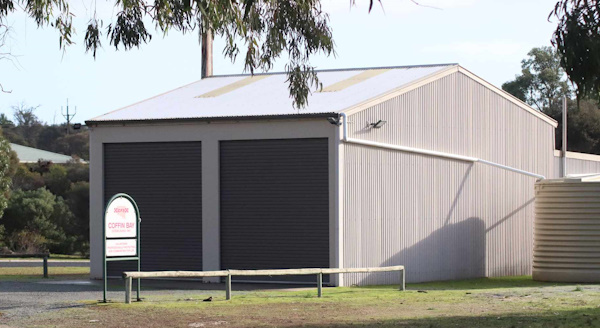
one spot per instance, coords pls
(274, 197)
(166, 182)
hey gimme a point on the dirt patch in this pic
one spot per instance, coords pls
(343, 307)
(517, 302)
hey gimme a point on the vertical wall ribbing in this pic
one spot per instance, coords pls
(440, 218)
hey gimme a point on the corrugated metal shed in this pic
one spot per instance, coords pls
(32, 155)
(442, 218)
(268, 95)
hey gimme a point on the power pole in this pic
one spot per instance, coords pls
(68, 116)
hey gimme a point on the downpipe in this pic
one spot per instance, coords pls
(427, 152)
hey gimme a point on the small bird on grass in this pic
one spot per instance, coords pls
(207, 299)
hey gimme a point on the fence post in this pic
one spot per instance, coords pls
(228, 287)
(128, 281)
(402, 279)
(46, 266)
(320, 284)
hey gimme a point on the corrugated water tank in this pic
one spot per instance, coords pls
(567, 230)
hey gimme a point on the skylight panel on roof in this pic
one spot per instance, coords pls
(343, 84)
(233, 86)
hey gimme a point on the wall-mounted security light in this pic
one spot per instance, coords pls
(378, 124)
(334, 120)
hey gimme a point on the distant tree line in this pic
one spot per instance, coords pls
(543, 84)
(28, 130)
(43, 206)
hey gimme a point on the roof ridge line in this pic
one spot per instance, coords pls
(338, 70)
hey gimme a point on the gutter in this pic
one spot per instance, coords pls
(215, 119)
(428, 152)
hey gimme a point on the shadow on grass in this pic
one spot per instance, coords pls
(589, 317)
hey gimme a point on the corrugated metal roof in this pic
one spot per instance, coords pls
(268, 96)
(32, 155)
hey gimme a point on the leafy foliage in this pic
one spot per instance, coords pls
(28, 126)
(31, 131)
(26, 179)
(5, 171)
(577, 39)
(583, 131)
(56, 180)
(78, 199)
(38, 212)
(74, 144)
(261, 30)
(27, 242)
(542, 82)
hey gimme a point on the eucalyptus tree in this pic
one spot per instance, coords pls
(259, 30)
(577, 39)
(542, 82)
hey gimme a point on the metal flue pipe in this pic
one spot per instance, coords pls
(207, 54)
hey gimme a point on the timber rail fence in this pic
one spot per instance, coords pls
(129, 276)
(43, 256)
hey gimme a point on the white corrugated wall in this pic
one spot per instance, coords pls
(576, 166)
(443, 219)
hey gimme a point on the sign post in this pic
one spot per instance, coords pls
(121, 230)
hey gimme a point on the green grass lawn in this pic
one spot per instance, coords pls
(53, 257)
(495, 302)
(68, 257)
(37, 272)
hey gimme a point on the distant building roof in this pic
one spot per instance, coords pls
(32, 155)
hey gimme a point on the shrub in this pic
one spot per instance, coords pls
(2, 238)
(56, 180)
(25, 179)
(77, 171)
(5, 170)
(78, 199)
(27, 242)
(40, 213)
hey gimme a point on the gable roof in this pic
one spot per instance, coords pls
(32, 155)
(266, 95)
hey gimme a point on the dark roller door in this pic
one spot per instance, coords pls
(274, 204)
(166, 182)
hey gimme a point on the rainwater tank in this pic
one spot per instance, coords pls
(567, 230)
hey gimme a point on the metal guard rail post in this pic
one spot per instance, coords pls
(129, 276)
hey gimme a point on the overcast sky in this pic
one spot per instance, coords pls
(488, 37)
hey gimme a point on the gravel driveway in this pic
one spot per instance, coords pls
(21, 299)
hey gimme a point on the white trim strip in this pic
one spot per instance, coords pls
(576, 155)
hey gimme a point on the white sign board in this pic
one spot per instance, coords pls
(121, 219)
(121, 247)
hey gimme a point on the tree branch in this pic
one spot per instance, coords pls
(427, 6)
(4, 91)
